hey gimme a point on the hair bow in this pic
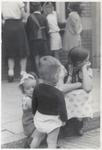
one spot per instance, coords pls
(26, 76)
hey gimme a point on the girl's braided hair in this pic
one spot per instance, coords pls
(76, 54)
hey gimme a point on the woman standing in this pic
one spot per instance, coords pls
(14, 37)
(73, 27)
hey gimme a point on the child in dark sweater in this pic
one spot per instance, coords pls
(48, 104)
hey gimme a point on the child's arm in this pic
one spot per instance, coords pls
(34, 102)
(65, 88)
(28, 104)
(87, 83)
(76, 23)
(80, 29)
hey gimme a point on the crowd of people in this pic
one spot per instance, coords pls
(52, 93)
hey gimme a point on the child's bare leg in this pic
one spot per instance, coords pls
(52, 138)
(38, 137)
(36, 62)
(56, 54)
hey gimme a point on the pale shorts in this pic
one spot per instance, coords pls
(55, 41)
(46, 123)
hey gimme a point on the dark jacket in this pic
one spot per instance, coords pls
(32, 27)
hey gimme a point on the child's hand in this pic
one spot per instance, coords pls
(63, 123)
(87, 64)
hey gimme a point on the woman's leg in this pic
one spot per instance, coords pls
(11, 64)
(23, 62)
(52, 138)
(38, 138)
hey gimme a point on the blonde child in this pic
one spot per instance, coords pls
(27, 85)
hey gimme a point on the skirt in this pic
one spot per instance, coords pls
(79, 104)
(14, 39)
(46, 123)
(55, 41)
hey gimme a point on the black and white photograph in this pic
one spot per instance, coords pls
(50, 74)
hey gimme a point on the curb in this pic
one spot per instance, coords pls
(65, 132)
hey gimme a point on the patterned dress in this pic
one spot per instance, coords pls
(79, 102)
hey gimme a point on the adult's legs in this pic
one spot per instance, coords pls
(52, 138)
(38, 138)
(23, 62)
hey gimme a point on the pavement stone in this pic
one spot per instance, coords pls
(11, 110)
(90, 140)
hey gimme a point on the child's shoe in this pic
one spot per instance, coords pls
(79, 130)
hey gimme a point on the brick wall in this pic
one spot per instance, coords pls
(86, 36)
(86, 9)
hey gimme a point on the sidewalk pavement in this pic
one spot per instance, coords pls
(11, 109)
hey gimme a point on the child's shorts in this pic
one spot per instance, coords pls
(46, 123)
(55, 41)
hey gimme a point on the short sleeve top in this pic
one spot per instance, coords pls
(52, 22)
(12, 10)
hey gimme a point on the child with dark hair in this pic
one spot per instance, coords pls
(27, 85)
(73, 27)
(37, 31)
(79, 102)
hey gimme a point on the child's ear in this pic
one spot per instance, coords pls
(55, 76)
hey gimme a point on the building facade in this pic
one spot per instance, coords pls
(90, 35)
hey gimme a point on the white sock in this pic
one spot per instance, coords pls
(22, 73)
(11, 72)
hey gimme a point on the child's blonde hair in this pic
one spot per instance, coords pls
(48, 67)
(26, 77)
